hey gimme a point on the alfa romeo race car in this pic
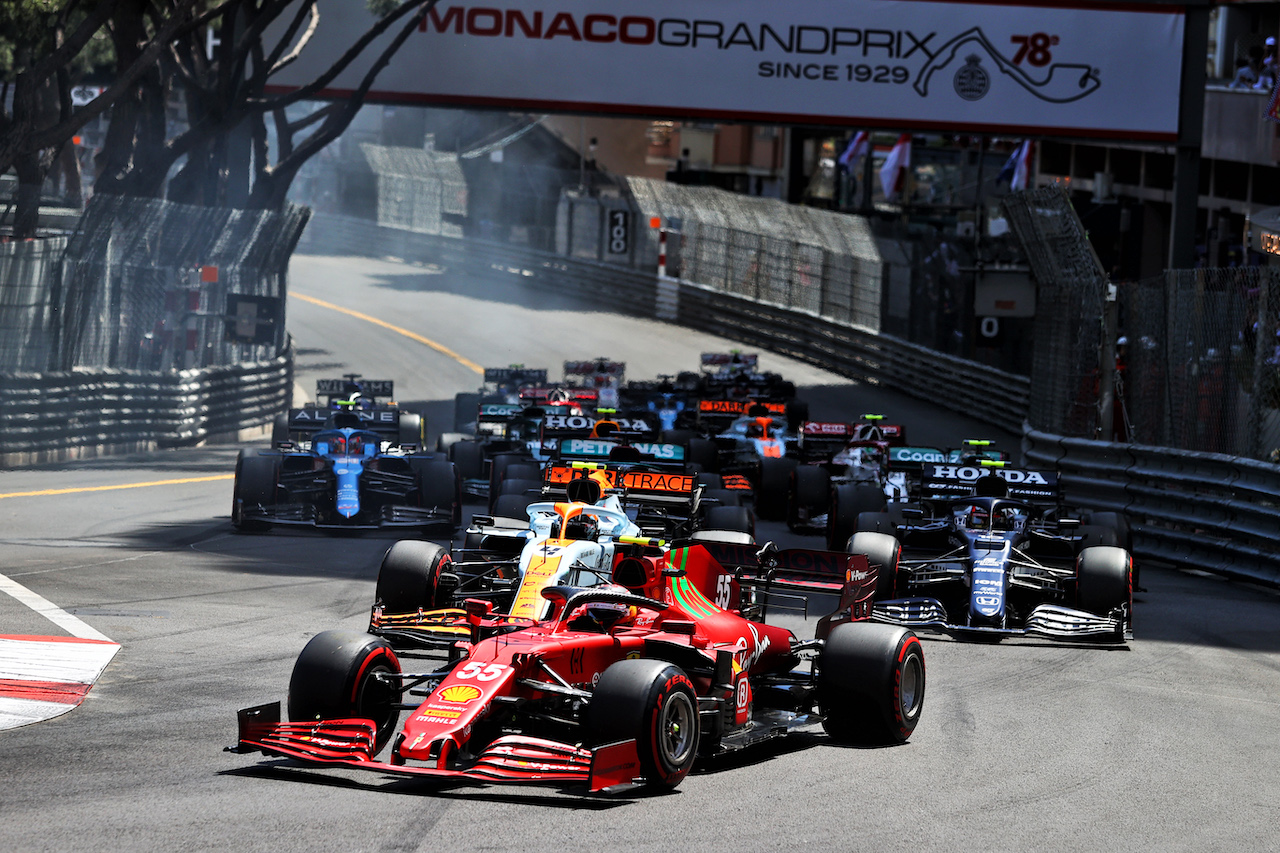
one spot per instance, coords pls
(368, 399)
(611, 685)
(991, 555)
(345, 477)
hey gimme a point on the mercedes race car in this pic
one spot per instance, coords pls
(609, 686)
(345, 477)
(368, 399)
(992, 555)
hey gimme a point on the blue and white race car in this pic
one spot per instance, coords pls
(991, 555)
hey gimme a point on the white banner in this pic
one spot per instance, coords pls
(1085, 70)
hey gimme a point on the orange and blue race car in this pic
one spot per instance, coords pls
(615, 685)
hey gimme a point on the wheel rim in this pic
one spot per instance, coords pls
(911, 688)
(677, 729)
(374, 702)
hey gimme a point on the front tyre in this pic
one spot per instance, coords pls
(409, 577)
(338, 677)
(871, 683)
(653, 702)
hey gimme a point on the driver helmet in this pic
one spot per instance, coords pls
(582, 526)
(977, 517)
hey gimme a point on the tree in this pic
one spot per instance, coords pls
(157, 45)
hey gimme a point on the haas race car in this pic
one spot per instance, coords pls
(622, 683)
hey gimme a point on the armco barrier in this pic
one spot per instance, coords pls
(963, 386)
(1204, 511)
(47, 417)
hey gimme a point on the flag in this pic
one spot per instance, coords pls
(894, 171)
(858, 147)
(1017, 169)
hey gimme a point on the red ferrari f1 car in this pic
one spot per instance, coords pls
(622, 684)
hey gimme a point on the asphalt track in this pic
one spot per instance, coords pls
(1167, 745)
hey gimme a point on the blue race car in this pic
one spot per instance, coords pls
(346, 477)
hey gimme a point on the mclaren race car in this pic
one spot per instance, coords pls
(345, 477)
(609, 686)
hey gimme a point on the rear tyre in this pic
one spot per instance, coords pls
(465, 409)
(336, 678)
(498, 466)
(512, 486)
(255, 485)
(653, 702)
(848, 501)
(797, 413)
(871, 683)
(280, 430)
(512, 506)
(468, 458)
(703, 452)
(1102, 579)
(772, 486)
(720, 497)
(735, 518)
(809, 494)
(409, 577)
(439, 486)
(883, 552)
(413, 430)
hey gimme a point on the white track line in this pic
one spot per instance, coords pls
(51, 611)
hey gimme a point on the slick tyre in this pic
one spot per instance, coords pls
(772, 485)
(280, 430)
(255, 485)
(871, 683)
(439, 486)
(409, 577)
(1102, 579)
(848, 501)
(513, 506)
(810, 491)
(703, 452)
(735, 518)
(465, 409)
(413, 430)
(468, 458)
(653, 702)
(336, 678)
(719, 497)
(883, 552)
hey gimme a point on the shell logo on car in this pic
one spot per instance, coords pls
(459, 694)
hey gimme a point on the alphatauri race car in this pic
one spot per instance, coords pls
(992, 555)
(345, 477)
(609, 686)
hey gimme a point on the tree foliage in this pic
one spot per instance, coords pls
(156, 53)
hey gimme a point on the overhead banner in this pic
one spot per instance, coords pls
(1088, 69)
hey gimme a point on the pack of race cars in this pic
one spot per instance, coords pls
(604, 623)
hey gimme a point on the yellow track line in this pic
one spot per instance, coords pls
(440, 348)
(113, 488)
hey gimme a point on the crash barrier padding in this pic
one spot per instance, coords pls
(1206, 511)
(968, 387)
(47, 417)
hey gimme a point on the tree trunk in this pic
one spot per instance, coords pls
(26, 213)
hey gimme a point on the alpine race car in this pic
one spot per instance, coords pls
(345, 477)
(368, 399)
(1000, 560)
(612, 686)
